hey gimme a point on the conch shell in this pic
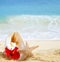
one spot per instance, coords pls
(15, 40)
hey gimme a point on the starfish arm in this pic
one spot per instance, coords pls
(21, 51)
(24, 52)
(34, 47)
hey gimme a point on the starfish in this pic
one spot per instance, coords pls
(27, 51)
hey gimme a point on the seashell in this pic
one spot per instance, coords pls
(15, 40)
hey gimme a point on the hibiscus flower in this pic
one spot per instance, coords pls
(12, 54)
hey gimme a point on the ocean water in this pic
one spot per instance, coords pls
(41, 27)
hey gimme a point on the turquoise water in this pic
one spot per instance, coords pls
(2, 19)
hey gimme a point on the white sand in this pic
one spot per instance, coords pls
(48, 51)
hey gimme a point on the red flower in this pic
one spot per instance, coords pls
(12, 54)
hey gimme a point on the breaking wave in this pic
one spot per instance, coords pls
(33, 26)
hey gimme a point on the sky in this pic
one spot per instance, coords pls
(29, 7)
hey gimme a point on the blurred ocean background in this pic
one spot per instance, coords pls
(34, 19)
(41, 27)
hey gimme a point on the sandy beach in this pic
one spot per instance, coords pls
(48, 51)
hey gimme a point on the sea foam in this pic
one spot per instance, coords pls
(32, 26)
